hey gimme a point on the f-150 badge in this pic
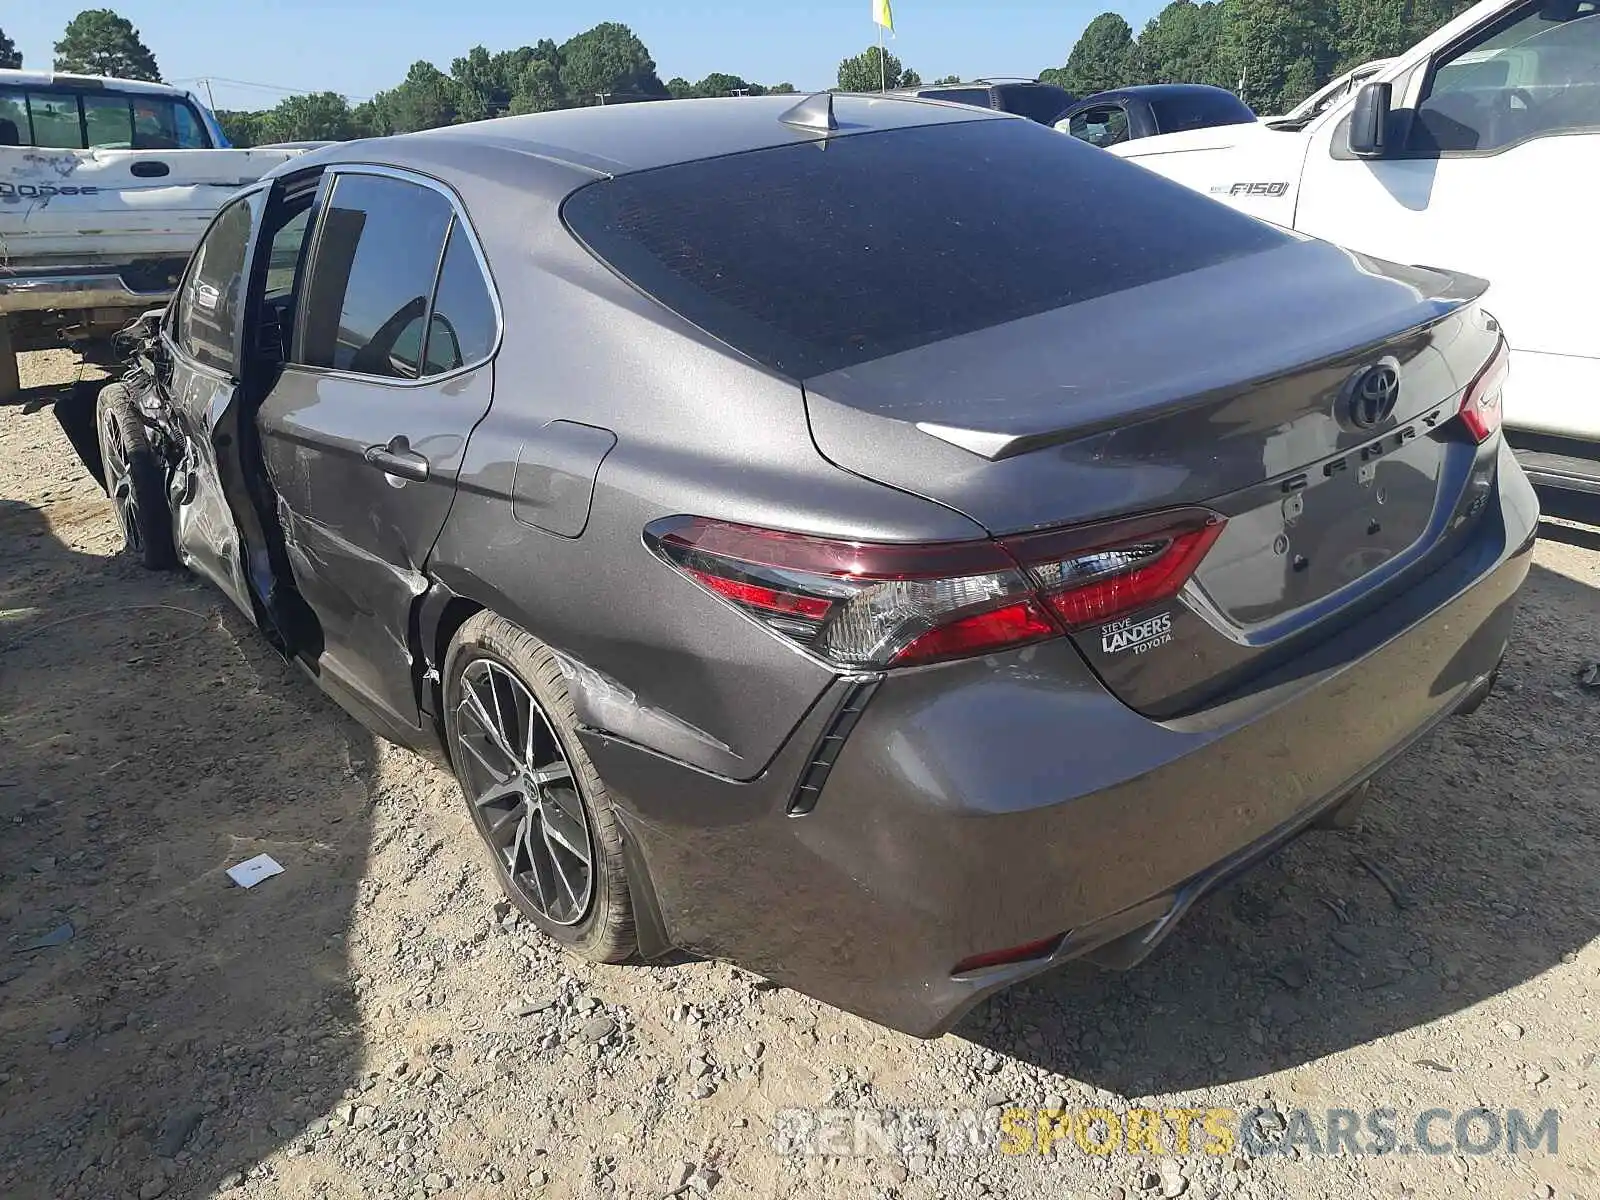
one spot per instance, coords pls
(1250, 189)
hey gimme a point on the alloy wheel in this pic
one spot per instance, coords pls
(523, 791)
(119, 480)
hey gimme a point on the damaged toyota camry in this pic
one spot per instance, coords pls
(887, 545)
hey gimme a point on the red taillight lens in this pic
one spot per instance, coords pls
(1483, 405)
(1087, 585)
(870, 606)
(1013, 625)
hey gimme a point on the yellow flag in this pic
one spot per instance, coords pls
(882, 14)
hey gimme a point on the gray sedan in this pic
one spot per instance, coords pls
(886, 544)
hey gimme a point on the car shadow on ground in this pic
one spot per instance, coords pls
(159, 1027)
(1473, 871)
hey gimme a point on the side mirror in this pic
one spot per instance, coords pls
(1369, 120)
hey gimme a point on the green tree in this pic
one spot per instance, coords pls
(99, 42)
(1283, 49)
(680, 88)
(944, 79)
(608, 60)
(781, 89)
(10, 56)
(719, 83)
(371, 117)
(242, 126)
(1104, 57)
(871, 70)
(426, 99)
(909, 78)
(322, 116)
(538, 89)
(1183, 44)
(481, 86)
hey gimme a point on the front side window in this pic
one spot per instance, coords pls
(1534, 74)
(1103, 125)
(206, 317)
(371, 275)
(13, 119)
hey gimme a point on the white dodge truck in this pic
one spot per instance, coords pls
(105, 187)
(1479, 150)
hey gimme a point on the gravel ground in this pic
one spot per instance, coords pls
(374, 1023)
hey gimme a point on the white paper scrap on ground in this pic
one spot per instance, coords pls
(253, 870)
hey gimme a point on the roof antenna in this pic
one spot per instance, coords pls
(814, 113)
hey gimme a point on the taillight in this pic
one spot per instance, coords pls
(1483, 406)
(875, 605)
(1096, 573)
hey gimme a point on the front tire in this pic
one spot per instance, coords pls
(134, 479)
(534, 796)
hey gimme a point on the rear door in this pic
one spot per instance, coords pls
(1503, 138)
(364, 430)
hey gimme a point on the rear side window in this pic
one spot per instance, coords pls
(371, 276)
(812, 257)
(55, 121)
(206, 319)
(67, 120)
(464, 324)
(1199, 110)
(978, 97)
(1042, 102)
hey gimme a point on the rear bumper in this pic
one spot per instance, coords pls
(995, 802)
(75, 288)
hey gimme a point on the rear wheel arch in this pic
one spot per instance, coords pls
(442, 615)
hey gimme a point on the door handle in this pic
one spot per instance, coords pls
(397, 459)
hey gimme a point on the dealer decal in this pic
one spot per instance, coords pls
(1138, 636)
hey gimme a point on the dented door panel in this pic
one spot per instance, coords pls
(207, 534)
(357, 537)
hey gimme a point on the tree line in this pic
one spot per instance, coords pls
(1274, 53)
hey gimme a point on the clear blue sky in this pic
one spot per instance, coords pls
(359, 46)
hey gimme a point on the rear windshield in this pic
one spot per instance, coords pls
(817, 255)
(1199, 110)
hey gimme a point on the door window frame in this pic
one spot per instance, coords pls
(169, 330)
(458, 220)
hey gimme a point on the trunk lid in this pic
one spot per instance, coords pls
(132, 203)
(1229, 388)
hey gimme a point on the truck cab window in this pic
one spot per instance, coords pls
(1534, 75)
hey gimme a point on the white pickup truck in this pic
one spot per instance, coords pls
(1474, 150)
(105, 187)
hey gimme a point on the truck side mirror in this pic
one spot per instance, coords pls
(1369, 120)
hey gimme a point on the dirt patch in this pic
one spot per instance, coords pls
(372, 1022)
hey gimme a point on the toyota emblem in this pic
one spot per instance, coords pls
(1372, 394)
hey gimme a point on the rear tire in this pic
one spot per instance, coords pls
(528, 784)
(134, 478)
